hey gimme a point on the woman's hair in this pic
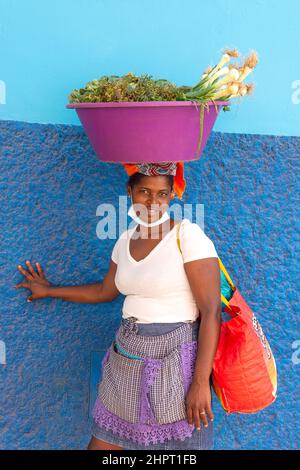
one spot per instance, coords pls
(136, 177)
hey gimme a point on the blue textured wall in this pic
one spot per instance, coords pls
(51, 184)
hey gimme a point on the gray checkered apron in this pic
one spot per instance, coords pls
(142, 398)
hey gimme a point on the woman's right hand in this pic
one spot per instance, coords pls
(35, 281)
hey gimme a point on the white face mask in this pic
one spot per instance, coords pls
(138, 220)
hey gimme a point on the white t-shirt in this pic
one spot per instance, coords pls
(157, 288)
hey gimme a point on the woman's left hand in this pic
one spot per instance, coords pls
(198, 399)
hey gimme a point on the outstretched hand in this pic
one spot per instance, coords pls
(35, 281)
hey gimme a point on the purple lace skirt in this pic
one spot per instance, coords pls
(141, 403)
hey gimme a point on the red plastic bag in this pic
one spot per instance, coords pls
(244, 373)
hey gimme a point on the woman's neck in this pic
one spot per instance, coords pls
(157, 231)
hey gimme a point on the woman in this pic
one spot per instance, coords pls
(160, 332)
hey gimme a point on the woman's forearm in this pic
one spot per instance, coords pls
(208, 339)
(85, 294)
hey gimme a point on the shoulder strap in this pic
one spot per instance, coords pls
(222, 267)
(178, 239)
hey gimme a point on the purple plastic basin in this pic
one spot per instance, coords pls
(148, 131)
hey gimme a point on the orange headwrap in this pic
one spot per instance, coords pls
(163, 168)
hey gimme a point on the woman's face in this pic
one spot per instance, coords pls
(151, 197)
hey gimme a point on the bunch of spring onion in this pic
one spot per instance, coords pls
(224, 82)
(221, 83)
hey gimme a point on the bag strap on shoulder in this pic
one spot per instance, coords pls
(222, 267)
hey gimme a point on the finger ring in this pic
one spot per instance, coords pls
(202, 412)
